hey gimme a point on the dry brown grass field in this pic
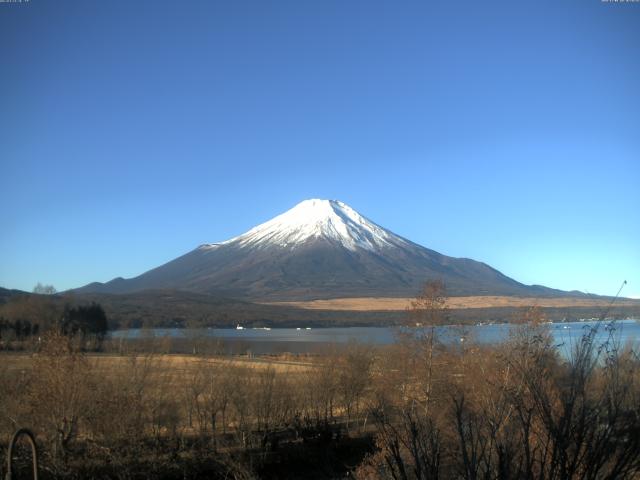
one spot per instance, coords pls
(180, 366)
(398, 304)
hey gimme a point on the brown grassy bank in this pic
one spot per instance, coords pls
(400, 304)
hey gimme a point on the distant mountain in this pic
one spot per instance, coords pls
(6, 294)
(320, 249)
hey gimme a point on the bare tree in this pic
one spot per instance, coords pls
(44, 289)
(428, 311)
(60, 392)
(354, 377)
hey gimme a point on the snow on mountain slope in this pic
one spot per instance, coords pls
(311, 219)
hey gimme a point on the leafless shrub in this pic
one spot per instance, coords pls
(61, 391)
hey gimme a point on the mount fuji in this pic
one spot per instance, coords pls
(319, 249)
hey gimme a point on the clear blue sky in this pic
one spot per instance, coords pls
(133, 131)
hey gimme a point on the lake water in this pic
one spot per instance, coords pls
(304, 340)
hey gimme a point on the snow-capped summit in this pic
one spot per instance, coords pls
(313, 219)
